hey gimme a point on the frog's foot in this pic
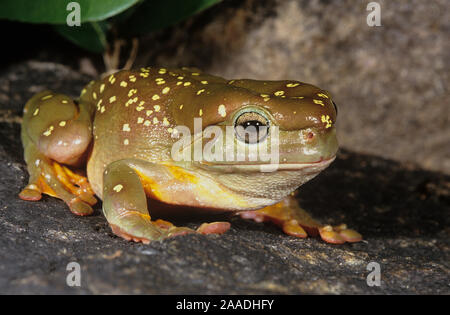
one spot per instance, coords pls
(56, 130)
(297, 222)
(125, 207)
(138, 228)
(143, 230)
(56, 180)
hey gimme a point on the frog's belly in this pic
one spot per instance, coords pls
(176, 186)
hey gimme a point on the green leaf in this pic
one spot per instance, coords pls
(91, 36)
(152, 15)
(55, 11)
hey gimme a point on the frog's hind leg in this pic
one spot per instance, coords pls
(125, 205)
(297, 222)
(44, 134)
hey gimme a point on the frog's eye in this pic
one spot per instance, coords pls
(251, 127)
(335, 107)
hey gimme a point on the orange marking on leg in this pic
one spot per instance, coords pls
(76, 184)
(46, 189)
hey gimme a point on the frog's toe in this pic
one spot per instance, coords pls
(30, 193)
(339, 234)
(293, 228)
(214, 228)
(79, 207)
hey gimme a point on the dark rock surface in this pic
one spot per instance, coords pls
(401, 210)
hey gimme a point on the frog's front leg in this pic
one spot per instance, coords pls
(297, 222)
(56, 131)
(125, 203)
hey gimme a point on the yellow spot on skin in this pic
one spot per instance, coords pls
(165, 90)
(126, 127)
(149, 112)
(112, 99)
(195, 73)
(140, 120)
(139, 108)
(123, 84)
(322, 95)
(292, 84)
(295, 112)
(179, 83)
(102, 109)
(200, 91)
(144, 75)
(165, 122)
(170, 130)
(126, 142)
(326, 119)
(180, 78)
(222, 110)
(131, 92)
(162, 71)
(155, 97)
(298, 97)
(181, 106)
(94, 95)
(187, 83)
(147, 123)
(155, 120)
(36, 112)
(160, 81)
(112, 79)
(145, 70)
(279, 93)
(157, 108)
(62, 123)
(264, 95)
(48, 132)
(131, 101)
(102, 87)
(46, 97)
(231, 82)
(200, 112)
(204, 82)
(83, 91)
(64, 101)
(132, 78)
(118, 188)
(266, 99)
(320, 102)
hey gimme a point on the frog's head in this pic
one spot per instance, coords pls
(292, 122)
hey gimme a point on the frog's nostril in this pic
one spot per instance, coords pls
(309, 135)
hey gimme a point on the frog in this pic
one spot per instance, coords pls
(117, 140)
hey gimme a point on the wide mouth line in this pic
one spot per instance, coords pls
(281, 166)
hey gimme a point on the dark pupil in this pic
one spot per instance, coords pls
(254, 123)
(255, 130)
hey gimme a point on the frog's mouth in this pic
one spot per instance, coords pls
(309, 167)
